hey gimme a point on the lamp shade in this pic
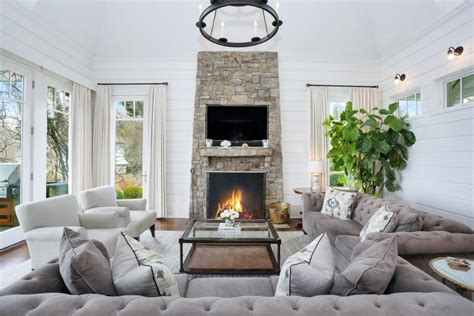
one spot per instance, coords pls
(316, 166)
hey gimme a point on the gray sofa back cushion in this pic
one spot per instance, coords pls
(365, 205)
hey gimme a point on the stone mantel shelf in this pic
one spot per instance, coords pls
(236, 152)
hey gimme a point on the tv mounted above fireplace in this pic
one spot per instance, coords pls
(237, 124)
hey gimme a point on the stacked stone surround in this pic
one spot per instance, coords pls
(236, 78)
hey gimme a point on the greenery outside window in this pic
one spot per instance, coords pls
(129, 149)
(460, 91)
(410, 106)
(57, 152)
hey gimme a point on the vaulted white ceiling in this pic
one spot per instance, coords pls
(156, 29)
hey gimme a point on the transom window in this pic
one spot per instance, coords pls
(410, 106)
(460, 91)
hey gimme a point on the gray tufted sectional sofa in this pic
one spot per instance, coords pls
(411, 292)
(438, 236)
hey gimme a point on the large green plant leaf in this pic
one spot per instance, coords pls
(409, 137)
(395, 123)
(393, 107)
(364, 144)
(351, 133)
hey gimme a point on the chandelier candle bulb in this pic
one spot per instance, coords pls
(222, 29)
(200, 8)
(277, 7)
(255, 26)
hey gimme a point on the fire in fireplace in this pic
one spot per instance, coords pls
(243, 192)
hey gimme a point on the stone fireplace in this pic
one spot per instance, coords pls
(247, 171)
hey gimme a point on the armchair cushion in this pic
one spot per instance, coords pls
(99, 220)
(98, 197)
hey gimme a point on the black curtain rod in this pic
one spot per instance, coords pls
(339, 86)
(134, 84)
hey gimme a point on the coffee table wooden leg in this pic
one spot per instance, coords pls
(278, 253)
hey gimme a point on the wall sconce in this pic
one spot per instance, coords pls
(398, 78)
(455, 52)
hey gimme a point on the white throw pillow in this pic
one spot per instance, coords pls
(338, 203)
(309, 272)
(140, 271)
(382, 221)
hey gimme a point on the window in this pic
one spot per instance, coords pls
(128, 149)
(12, 100)
(57, 152)
(335, 110)
(460, 91)
(410, 105)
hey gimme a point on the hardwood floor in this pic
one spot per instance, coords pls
(19, 253)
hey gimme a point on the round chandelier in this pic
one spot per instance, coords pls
(267, 13)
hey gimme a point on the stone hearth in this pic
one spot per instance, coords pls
(236, 78)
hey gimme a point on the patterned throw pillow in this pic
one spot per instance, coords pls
(140, 271)
(382, 221)
(338, 203)
(309, 272)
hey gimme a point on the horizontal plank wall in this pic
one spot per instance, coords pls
(294, 74)
(439, 177)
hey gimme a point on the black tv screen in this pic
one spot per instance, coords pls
(237, 124)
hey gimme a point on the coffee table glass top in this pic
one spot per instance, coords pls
(461, 278)
(249, 230)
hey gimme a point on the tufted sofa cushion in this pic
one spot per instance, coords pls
(395, 304)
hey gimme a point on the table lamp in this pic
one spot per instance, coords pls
(316, 169)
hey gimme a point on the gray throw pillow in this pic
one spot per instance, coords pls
(382, 221)
(83, 267)
(73, 239)
(370, 272)
(140, 271)
(309, 272)
(409, 222)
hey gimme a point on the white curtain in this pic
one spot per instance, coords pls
(364, 98)
(81, 139)
(318, 111)
(101, 149)
(155, 136)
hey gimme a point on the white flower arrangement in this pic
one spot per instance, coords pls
(229, 214)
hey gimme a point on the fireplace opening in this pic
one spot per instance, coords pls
(243, 192)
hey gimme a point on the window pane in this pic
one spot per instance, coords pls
(468, 89)
(453, 90)
(120, 110)
(10, 133)
(129, 108)
(128, 159)
(17, 86)
(4, 82)
(57, 154)
(139, 109)
(67, 101)
(336, 108)
(402, 109)
(50, 101)
(411, 105)
(418, 104)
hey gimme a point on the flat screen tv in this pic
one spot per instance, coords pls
(237, 124)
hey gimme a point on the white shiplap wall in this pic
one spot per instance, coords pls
(294, 74)
(439, 177)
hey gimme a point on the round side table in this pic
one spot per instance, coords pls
(463, 280)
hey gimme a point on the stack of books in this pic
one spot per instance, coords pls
(224, 228)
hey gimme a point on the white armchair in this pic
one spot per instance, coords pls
(103, 199)
(43, 223)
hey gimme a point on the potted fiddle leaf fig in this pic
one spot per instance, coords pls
(370, 147)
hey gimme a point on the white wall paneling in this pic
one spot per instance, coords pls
(439, 177)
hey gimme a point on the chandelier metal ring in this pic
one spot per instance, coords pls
(219, 4)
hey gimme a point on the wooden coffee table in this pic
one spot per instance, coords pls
(248, 251)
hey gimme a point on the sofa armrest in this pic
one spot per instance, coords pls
(313, 202)
(100, 220)
(122, 211)
(133, 204)
(431, 242)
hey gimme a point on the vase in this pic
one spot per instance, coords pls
(229, 222)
